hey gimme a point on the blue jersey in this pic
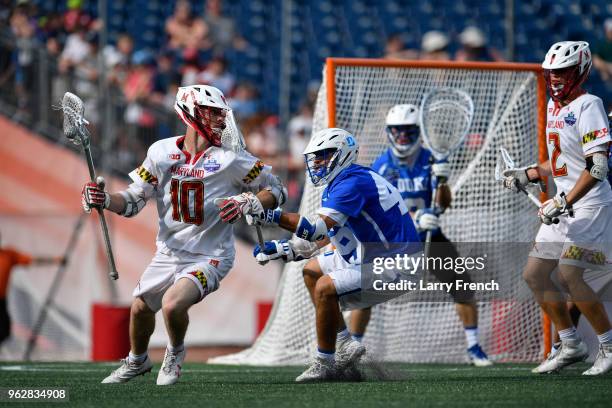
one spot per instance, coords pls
(414, 183)
(372, 209)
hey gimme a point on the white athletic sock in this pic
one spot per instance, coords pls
(569, 335)
(326, 355)
(357, 337)
(343, 335)
(176, 349)
(471, 335)
(605, 338)
(137, 358)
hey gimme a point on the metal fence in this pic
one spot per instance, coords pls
(32, 83)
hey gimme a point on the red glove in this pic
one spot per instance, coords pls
(232, 208)
(94, 196)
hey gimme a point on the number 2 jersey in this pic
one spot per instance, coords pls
(367, 210)
(573, 132)
(184, 189)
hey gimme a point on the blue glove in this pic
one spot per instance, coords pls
(276, 249)
(268, 217)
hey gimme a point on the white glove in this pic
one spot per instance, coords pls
(234, 207)
(441, 170)
(426, 220)
(516, 179)
(268, 217)
(94, 196)
(553, 208)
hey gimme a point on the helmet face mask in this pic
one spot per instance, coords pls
(204, 109)
(404, 139)
(321, 164)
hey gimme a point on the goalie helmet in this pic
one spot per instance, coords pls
(403, 129)
(566, 67)
(328, 153)
(201, 107)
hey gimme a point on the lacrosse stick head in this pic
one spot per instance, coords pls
(446, 117)
(74, 122)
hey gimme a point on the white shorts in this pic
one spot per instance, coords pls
(347, 279)
(584, 240)
(168, 266)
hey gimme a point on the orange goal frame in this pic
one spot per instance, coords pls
(330, 75)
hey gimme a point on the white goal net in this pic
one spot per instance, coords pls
(508, 101)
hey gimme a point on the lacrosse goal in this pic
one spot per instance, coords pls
(509, 111)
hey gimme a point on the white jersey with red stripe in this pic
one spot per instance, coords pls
(573, 132)
(184, 188)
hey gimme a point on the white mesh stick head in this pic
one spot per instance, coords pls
(74, 122)
(446, 116)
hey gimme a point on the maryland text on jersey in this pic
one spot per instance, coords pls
(253, 173)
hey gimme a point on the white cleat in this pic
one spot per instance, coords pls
(603, 362)
(320, 370)
(128, 370)
(567, 354)
(543, 364)
(348, 353)
(170, 370)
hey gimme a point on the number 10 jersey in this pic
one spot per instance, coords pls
(184, 188)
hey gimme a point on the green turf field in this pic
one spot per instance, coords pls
(421, 386)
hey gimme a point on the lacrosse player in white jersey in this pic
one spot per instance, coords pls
(186, 176)
(577, 138)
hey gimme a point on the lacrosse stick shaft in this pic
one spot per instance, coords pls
(114, 275)
(260, 238)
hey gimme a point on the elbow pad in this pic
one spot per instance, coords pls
(303, 249)
(276, 188)
(597, 166)
(134, 202)
(313, 229)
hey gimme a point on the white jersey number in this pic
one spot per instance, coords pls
(388, 197)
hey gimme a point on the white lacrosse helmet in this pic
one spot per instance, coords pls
(562, 55)
(403, 129)
(189, 103)
(328, 153)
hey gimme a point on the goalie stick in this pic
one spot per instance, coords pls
(446, 117)
(509, 163)
(75, 129)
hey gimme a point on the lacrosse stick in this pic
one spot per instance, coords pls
(509, 164)
(445, 116)
(75, 129)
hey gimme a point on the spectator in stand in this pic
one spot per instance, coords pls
(185, 31)
(299, 129)
(244, 102)
(434, 46)
(602, 54)
(137, 88)
(117, 59)
(222, 28)
(474, 47)
(23, 30)
(396, 49)
(85, 77)
(216, 75)
(9, 258)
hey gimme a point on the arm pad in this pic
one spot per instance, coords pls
(313, 229)
(276, 188)
(597, 166)
(134, 201)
